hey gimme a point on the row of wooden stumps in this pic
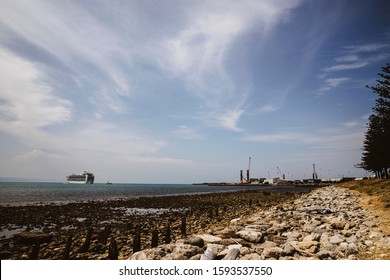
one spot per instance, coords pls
(113, 251)
(36, 239)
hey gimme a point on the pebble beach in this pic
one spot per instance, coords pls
(322, 223)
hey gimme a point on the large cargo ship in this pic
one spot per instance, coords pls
(83, 178)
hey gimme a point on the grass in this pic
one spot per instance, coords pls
(375, 195)
(380, 188)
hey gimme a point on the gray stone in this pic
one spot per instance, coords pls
(352, 249)
(210, 253)
(288, 250)
(208, 238)
(251, 236)
(336, 239)
(186, 250)
(312, 237)
(195, 241)
(232, 254)
(273, 252)
(323, 254)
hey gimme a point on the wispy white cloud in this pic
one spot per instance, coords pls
(187, 133)
(346, 136)
(158, 160)
(349, 66)
(26, 100)
(347, 58)
(199, 52)
(373, 47)
(36, 156)
(359, 56)
(332, 83)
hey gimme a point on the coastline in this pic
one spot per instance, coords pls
(59, 221)
(326, 223)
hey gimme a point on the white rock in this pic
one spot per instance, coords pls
(208, 238)
(251, 236)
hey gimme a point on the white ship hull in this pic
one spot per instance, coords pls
(84, 178)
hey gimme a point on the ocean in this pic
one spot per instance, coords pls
(33, 193)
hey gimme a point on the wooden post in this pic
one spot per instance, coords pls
(87, 241)
(68, 247)
(183, 225)
(250, 202)
(154, 238)
(216, 212)
(167, 234)
(210, 213)
(104, 235)
(35, 251)
(113, 250)
(137, 241)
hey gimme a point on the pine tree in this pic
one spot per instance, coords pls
(376, 145)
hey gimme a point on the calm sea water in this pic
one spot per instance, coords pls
(16, 193)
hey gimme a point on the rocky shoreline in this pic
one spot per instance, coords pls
(86, 230)
(326, 223)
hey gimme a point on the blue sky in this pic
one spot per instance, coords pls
(187, 91)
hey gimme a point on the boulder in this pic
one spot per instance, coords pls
(251, 236)
(273, 252)
(208, 238)
(336, 239)
(352, 249)
(195, 241)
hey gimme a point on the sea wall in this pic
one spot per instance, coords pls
(327, 223)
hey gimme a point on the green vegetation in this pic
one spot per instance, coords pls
(376, 148)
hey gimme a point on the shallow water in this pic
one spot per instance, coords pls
(17, 193)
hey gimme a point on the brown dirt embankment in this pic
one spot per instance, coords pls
(375, 196)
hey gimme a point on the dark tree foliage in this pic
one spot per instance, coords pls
(376, 145)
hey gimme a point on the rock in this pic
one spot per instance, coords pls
(337, 224)
(210, 253)
(235, 221)
(336, 239)
(294, 235)
(305, 245)
(195, 241)
(30, 238)
(312, 237)
(288, 250)
(232, 254)
(251, 236)
(273, 252)
(196, 257)
(252, 256)
(375, 234)
(369, 224)
(141, 255)
(323, 254)
(186, 251)
(267, 244)
(208, 238)
(352, 249)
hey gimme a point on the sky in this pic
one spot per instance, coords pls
(145, 91)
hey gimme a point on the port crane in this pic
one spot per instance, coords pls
(280, 172)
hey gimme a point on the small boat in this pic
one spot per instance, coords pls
(108, 183)
(83, 178)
